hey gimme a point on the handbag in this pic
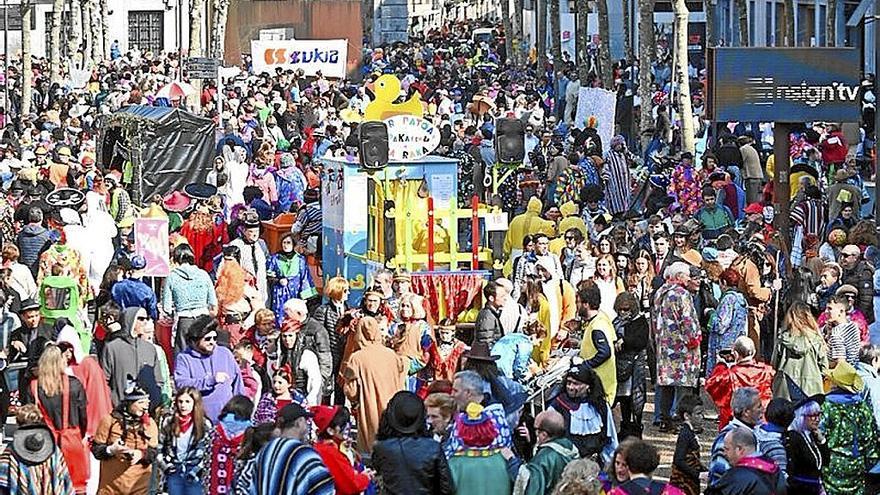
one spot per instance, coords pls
(68, 438)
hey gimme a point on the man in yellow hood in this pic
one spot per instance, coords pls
(570, 220)
(529, 222)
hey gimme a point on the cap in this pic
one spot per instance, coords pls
(28, 305)
(138, 262)
(847, 290)
(754, 208)
(290, 413)
(323, 416)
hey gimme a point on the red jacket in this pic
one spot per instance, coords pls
(725, 379)
(347, 480)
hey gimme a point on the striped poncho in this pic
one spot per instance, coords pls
(288, 466)
(47, 478)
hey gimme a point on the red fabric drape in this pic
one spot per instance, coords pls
(459, 291)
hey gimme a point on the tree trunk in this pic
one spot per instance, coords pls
(555, 39)
(507, 23)
(87, 33)
(709, 8)
(682, 80)
(605, 45)
(74, 53)
(541, 35)
(627, 34)
(788, 14)
(831, 23)
(519, 31)
(105, 29)
(55, 41)
(27, 10)
(196, 12)
(647, 53)
(742, 14)
(218, 36)
(583, 41)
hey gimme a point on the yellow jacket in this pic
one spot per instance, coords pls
(607, 371)
(526, 223)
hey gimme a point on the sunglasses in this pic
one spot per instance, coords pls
(143, 318)
(211, 338)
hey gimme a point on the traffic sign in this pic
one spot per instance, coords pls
(201, 68)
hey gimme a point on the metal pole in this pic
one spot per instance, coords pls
(876, 113)
(781, 185)
(6, 104)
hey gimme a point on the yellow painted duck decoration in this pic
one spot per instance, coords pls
(387, 89)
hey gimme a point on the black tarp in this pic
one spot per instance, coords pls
(169, 147)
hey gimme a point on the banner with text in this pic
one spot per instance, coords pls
(327, 56)
(599, 105)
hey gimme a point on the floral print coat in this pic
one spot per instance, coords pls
(677, 332)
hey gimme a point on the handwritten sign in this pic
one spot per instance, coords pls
(410, 138)
(151, 242)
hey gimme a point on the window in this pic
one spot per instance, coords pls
(807, 25)
(145, 29)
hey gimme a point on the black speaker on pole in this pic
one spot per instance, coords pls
(373, 145)
(509, 140)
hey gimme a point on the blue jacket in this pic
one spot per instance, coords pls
(32, 241)
(514, 351)
(133, 292)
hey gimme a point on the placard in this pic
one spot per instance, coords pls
(151, 242)
(601, 104)
(327, 56)
(410, 138)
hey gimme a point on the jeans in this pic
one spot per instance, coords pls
(178, 485)
(666, 401)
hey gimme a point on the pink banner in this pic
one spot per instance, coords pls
(151, 242)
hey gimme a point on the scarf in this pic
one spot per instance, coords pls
(185, 422)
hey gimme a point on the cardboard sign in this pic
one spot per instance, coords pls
(327, 56)
(151, 242)
(410, 138)
(601, 104)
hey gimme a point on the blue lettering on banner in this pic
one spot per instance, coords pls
(316, 56)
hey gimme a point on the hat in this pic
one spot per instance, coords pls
(290, 413)
(474, 426)
(200, 190)
(323, 416)
(28, 305)
(41, 151)
(69, 217)
(176, 201)
(687, 155)
(203, 325)
(64, 151)
(798, 396)
(66, 197)
(133, 391)
(126, 222)
(623, 251)
(480, 352)
(138, 262)
(33, 444)
(580, 372)
(847, 290)
(400, 276)
(251, 218)
(845, 377)
(710, 254)
(754, 208)
(405, 412)
(659, 181)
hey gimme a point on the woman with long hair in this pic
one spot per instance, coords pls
(640, 278)
(255, 438)
(412, 338)
(609, 284)
(407, 459)
(605, 246)
(806, 449)
(187, 294)
(185, 445)
(289, 277)
(62, 400)
(126, 444)
(328, 314)
(237, 297)
(800, 353)
(283, 393)
(235, 419)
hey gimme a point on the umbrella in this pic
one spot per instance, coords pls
(176, 90)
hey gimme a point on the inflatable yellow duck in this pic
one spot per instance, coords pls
(387, 89)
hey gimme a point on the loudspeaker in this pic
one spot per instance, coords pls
(509, 140)
(373, 145)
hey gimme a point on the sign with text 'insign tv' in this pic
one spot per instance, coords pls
(783, 84)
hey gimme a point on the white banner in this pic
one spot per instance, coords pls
(600, 104)
(327, 56)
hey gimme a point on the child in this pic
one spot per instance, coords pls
(244, 356)
(686, 465)
(334, 447)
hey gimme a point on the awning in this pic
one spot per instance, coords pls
(864, 7)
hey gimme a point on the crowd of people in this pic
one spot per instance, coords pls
(639, 267)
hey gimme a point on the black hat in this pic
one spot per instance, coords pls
(200, 190)
(580, 372)
(66, 197)
(251, 218)
(133, 391)
(202, 326)
(28, 305)
(405, 412)
(798, 396)
(33, 444)
(290, 413)
(480, 352)
(623, 251)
